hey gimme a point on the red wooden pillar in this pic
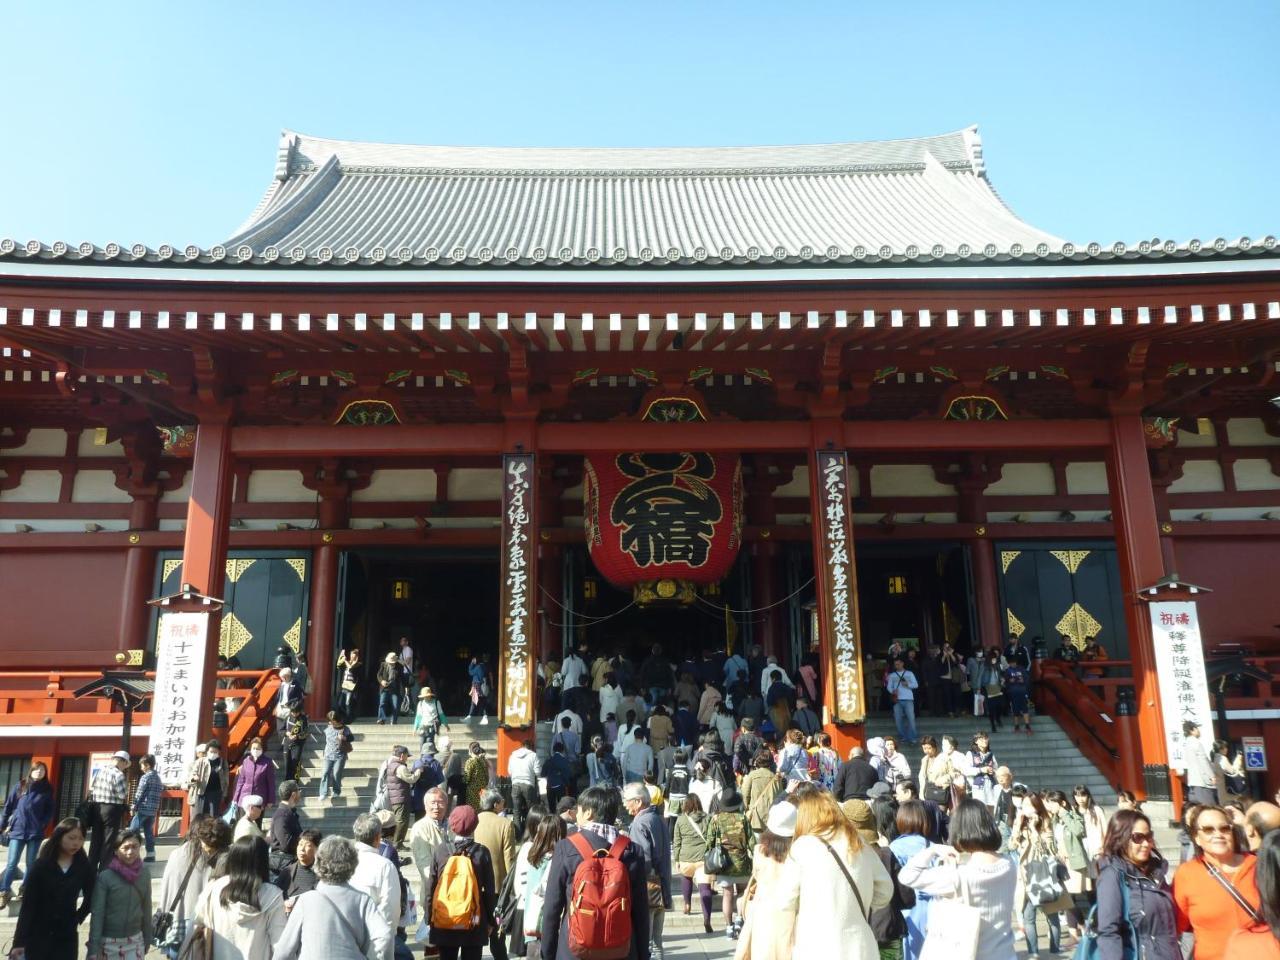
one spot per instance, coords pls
(321, 641)
(139, 575)
(204, 548)
(982, 561)
(1137, 532)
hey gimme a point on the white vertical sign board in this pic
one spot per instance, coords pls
(1184, 690)
(175, 708)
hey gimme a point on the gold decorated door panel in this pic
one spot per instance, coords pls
(266, 594)
(1071, 590)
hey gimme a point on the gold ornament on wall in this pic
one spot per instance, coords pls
(1071, 559)
(233, 636)
(236, 568)
(293, 636)
(1079, 625)
(299, 567)
(168, 568)
(1007, 557)
(1016, 627)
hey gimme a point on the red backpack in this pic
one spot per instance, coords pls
(599, 907)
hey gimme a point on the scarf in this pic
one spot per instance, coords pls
(606, 832)
(129, 873)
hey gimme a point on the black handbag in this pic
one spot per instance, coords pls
(717, 860)
(162, 920)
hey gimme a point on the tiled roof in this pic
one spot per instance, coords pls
(346, 203)
(631, 206)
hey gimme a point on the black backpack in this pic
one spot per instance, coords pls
(744, 751)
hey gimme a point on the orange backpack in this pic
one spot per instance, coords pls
(455, 905)
(600, 902)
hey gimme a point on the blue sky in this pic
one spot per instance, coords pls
(158, 122)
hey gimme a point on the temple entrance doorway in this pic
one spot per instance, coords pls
(609, 619)
(444, 601)
(918, 595)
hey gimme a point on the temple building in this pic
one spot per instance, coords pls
(503, 401)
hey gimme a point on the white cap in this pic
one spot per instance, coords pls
(782, 819)
(123, 755)
(252, 800)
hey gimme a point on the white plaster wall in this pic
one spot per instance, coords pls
(41, 443)
(1245, 431)
(1023, 478)
(1198, 476)
(473, 484)
(182, 494)
(398, 485)
(275, 486)
(1089, 477)
(87, 448)
(906, 480)
(1255, 475)
(799, 485)
(40, 525)
(1227, 513)
(36, 486)
(97, 486)
(1207, 439)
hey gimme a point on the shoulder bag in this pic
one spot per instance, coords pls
(716, 860)
(1088, 948)
(954, 927)
(1241, 902)
(199, 945)
(162, 920)
(862, 907)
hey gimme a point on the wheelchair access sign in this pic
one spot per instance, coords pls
(1255, 753)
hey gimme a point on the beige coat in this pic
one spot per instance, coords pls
(498, 835)
(813, 890)
(242, 932)
(768, 931)
(425, 838)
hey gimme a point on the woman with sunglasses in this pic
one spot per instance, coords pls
(1215, 892)
(1133, 896)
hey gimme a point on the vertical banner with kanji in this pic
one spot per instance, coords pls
(837, 585)
(1184, 690)
(516, 624)
(175, 708)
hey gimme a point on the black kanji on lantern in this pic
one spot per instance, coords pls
(668, 513)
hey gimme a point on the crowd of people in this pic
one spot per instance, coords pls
(703, 787)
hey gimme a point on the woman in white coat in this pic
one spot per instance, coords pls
(830, 884)
(242, 909)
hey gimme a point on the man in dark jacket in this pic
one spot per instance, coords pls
(649, 833)
(685, 723)
(804, 719)
(286, 827)
(856, 777)
(597, 814)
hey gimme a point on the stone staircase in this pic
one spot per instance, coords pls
(1046, 760)
(371, 749)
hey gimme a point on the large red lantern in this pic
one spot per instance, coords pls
(660, 523)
